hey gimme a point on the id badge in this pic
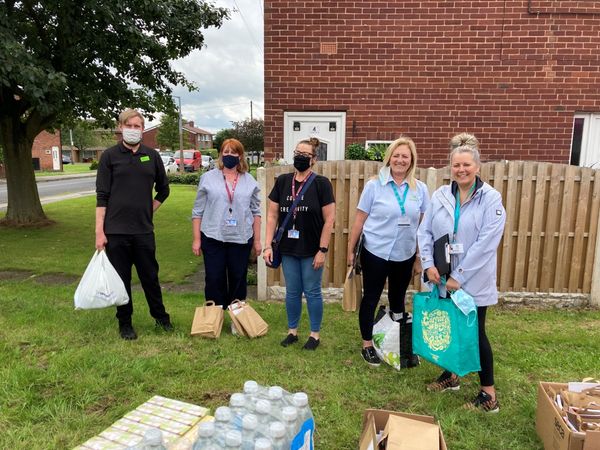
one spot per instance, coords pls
(403, 221)
(231, 222)
(293, 234)
(456, 249)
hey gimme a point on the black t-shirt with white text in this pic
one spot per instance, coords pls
(309, 215)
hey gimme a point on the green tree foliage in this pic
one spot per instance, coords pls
(251, 133)
(61, 60)
(168, 132)
(87, 135)
(356, 151)
(221, 136)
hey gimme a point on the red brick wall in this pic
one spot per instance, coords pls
(512, 72)
(42, 148)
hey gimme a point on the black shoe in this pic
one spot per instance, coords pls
(165, 325)
(370, 356)
(127, 332)
(289, 340)
(312, 343)
(483, 402)
(447, 381)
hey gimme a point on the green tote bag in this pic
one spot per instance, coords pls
(443, 335)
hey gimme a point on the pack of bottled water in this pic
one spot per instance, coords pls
(260, 418)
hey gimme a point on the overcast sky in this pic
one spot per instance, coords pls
(228, 70)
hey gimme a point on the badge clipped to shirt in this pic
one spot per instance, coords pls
(145, 158)
(293, 234)
(455, 249)
(231, 222)
(403, 221)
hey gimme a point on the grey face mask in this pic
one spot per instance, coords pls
(463, 301)
(132, 136)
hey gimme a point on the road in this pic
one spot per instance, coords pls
(57, 188)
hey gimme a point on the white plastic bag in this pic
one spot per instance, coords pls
(386, 340)
(101, 286)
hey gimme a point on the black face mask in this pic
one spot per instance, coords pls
(301, 163)
(230, 161)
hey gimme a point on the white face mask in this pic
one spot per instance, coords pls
(132, 136)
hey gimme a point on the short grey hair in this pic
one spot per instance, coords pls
(464, 139)
(466, 149)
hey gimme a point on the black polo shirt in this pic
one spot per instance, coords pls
(124, 185)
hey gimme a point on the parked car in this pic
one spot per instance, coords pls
(208, 162)
(66, 159)
(192, 160)
(170, 164)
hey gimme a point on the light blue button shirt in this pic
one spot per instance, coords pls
(212, 206)
(383, 236)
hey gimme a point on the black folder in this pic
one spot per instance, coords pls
(441, 257)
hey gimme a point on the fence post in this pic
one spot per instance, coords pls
(431, 180)
(595, 288)
(261, 268)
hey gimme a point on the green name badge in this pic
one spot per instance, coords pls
(145, 158)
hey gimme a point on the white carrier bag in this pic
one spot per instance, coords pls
(101, 286)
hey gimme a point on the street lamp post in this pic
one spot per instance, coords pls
(181, 162)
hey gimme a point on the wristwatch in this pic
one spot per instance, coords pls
(323, 249)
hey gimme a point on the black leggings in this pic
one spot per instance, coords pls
(486, 374)
(375, 271)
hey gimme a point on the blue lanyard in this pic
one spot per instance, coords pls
(400, 200)
(457, 208)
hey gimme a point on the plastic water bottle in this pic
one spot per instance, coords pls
(249, 435)
(223, 420)
(263, 444)
(275, 394)
(251, 392)
(233, 440)
(153, 440)
(206, 437)
(237, 404)
(289, 414)
(277, 435)
(263, 413)
(300, 401)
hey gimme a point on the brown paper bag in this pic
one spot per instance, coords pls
(408, 434)
(208, 320)
(250, 321)
(236, 326)
(352, 291)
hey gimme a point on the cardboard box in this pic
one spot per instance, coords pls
(551, 427)
(395, 425)
(172, 417)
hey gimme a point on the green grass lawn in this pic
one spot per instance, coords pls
(66, 375)
(68, 169)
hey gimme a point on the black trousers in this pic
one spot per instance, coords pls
(375, 271)
(139, 250)
(226, 266)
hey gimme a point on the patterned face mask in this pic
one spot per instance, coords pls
(463, 301)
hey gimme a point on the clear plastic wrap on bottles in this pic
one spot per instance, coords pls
(263, 444)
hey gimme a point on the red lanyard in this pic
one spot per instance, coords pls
(299, 190)
(231, 193)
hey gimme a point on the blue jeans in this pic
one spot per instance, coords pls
(301, 277)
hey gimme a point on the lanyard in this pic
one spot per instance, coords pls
(294, 194)
(231, 193)
(400, 200)
(457, 208)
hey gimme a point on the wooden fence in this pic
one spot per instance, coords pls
(550, 239)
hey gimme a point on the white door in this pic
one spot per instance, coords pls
(585, 142)
(328, 127)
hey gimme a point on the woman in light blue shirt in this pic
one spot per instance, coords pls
(470, 212)
(388, 215)
(226, 224)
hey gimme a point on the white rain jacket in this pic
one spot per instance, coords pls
(480, 228)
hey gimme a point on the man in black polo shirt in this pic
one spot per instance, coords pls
(126, 176)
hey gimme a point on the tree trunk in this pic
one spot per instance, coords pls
(24, 207)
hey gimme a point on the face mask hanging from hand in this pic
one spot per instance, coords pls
(301, 163)
(230, 161)
(132, 136)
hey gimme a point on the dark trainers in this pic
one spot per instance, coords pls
(445, 382)
(483, 402)
(165, 325)
(289, 340)
(370, 357)
(312, 343)
(127, 332)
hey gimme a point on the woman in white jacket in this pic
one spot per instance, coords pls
(470, 212)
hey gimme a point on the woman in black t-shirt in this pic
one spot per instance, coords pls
(305, 240)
